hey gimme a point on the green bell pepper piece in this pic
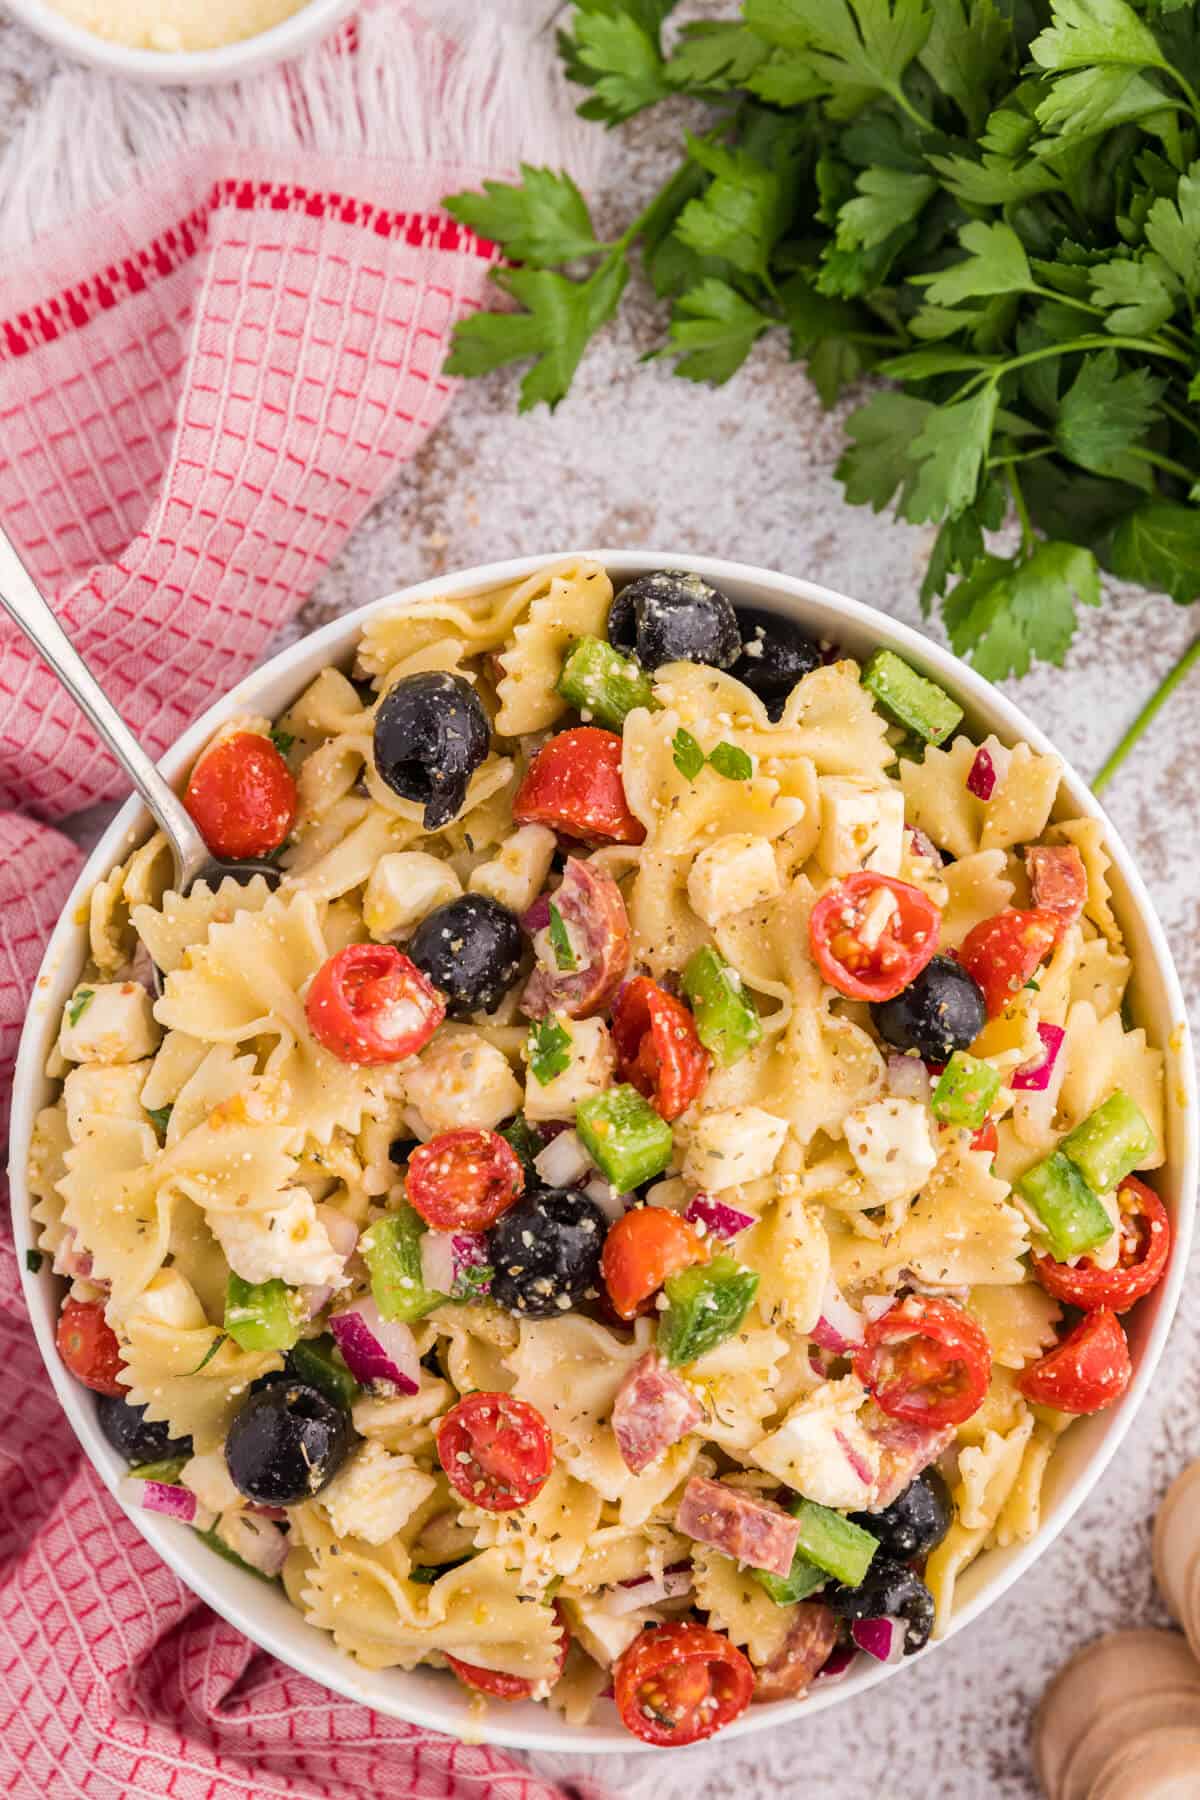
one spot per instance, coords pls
(911, 699)
(392, 1250)
(261, 1315)
(707, 1304)
(626, 1139)
(598, 680)
(1111, 1143)
(965, 1091)
(802, 1579)
(318, 1361)
(727, 1021)
(1072, 1219)
(167, 1471)
(829, 1544)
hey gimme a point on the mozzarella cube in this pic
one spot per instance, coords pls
(734, 1146)
(606, 1635)
(891, 1140)
(108, 1022)
(375, 1494)
(460, 1079)
(823, 1450)
(208, 1478)
(403, 886)
(861, 827)
(168, 1298)
(517, 874)
(96, 1091)
(590, 1071)
(289, 1243)
(736, 872)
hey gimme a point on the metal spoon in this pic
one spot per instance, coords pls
(25, 604)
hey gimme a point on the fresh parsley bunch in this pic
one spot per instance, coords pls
(993, 203)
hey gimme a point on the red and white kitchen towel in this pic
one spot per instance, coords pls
(223, 316)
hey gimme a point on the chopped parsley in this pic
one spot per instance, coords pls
(160, 1118)
(560, 940)
(731, 762)
(686, 754)
(209, 1353)
(548, 1049)
(283, 741)
(33, 1261)
(78, 1004)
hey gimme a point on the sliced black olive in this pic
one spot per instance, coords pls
(431, 734)
(887, 1590)
(471, 950)
(672, 616)
(546, 1253)
(916, 1521)
(286, 1444)
(776, 654)
(134, 1436)
(940, 1012)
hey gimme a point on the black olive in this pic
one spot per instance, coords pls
(134, 1436)
(401, 1148)
(888, 1589)
(471, 950)
(916, 1521)
(431, 733)
(776, 654)
(546, 1253)
(671, 616)
(286, 1444)
(940, 1012)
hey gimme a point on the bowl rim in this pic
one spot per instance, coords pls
(229, 1592)
(172, 68)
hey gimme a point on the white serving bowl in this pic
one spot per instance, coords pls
(184, 68)
(433, 1699)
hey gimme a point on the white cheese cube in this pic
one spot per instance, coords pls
(736, 872)
(96, 1091)
(517, 874)
(403, 886)
(168, 1298)
(861, 827)
(823, 1450)
(590, 1071)
(108, 1022)
(290, 1243)
(375, 1494)
(460, 1079)
(208, 1478)
(891, 1140)
(606, 1635)
(730, 1147)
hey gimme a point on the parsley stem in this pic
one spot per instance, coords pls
(1086, 306)
(992, 377)
(1181, 419)
(1153, 706)
(1159, 461)
(1027, 536)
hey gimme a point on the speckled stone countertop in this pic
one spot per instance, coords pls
(637, 458)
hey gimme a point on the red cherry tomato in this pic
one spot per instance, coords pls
(1145, 1246)
(509, 1687)
(927, 1361)
(680, 1682)
(1002, 953)
(868, 947)
(463, 1180)
(644, 1248)
(242, 796)
(370, 1004)
(574, 785)
(1058, 879)
(497, 1452)
(88, 1345)
(1086, 1372)
(987, 1137)
(658, 1050)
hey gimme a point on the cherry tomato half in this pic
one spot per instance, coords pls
(242, 796)
(987, 1137)
(370, 1004)
(1058, 879)
(463, 1180)
(926, 1360)
(1086, 1372)
(680, 1682)
(499, 1686)
(574, 785)
(871, 935)
(88, 1345)
(1145, 1246)
(658, 1049)
(497, 1452)
(1002, 953)
(644, 1248)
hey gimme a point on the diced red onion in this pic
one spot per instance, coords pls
(314, 1300)
(564, 1162)
(611, 1204)
(256, 1540)
(537, 917)
(875, 1305)
(647, 1590)
(1034, 1076)
(858, 1463)
(164, 1497)
(447, 1259)
(840, 1326)
(718, 1219)
(908, 1078)
(377, 1350)
(921, 845)
(981, 777)
(841, 1661)
(881, 1638)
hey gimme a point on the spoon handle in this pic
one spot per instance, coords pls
(25, 604)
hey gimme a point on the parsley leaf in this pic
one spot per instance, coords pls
(731, 761)
(950, 449)
(1173, 229)
(1139, 295)
(857, 46)
(995, 263)
(886, 199)
(881, 434)
(560, 940)
(160, 1118)
(78, 1004)
(1158, 545)
(742, 211)
(615, 51)
(282, 740)
(968, 47)
(686, 754)
(543, 220)
(1085, 32)
(547, 1049)
(1007, 611)
(1103, 413)
(562, 316)
(716, 54)
(715, 329)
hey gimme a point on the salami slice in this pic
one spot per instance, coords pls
(811, 1637)
(590, 906)
(652, 1411)
(750, 1530)
(1058, 878)
(906, 1449)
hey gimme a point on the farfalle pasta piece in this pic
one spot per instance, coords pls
(938, 801)
(185, 1371)
(977, 888)
(47, 1167)
(1100, 1057)
(789, 1249)
(735, 1383)
(1021, 1321)
(683, 813)
(1100, 975)
(738, 1604)
(616, 1553)
(136, 882)
(987, 1473)
(569, 602)
(1087, 835)
(404, 1422)
(546, 1539)
(112, 1205)
(478, 1342)
(1019, 808)
(480, 621)
(830, 718)
(179, 923)
(1021, 1515)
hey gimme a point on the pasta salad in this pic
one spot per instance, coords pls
(630, 1212)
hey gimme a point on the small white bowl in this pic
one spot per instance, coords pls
(187, 68)
(425, 1696)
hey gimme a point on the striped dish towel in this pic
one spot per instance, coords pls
(223, 317)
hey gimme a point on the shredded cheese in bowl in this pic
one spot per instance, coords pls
(175, 25)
